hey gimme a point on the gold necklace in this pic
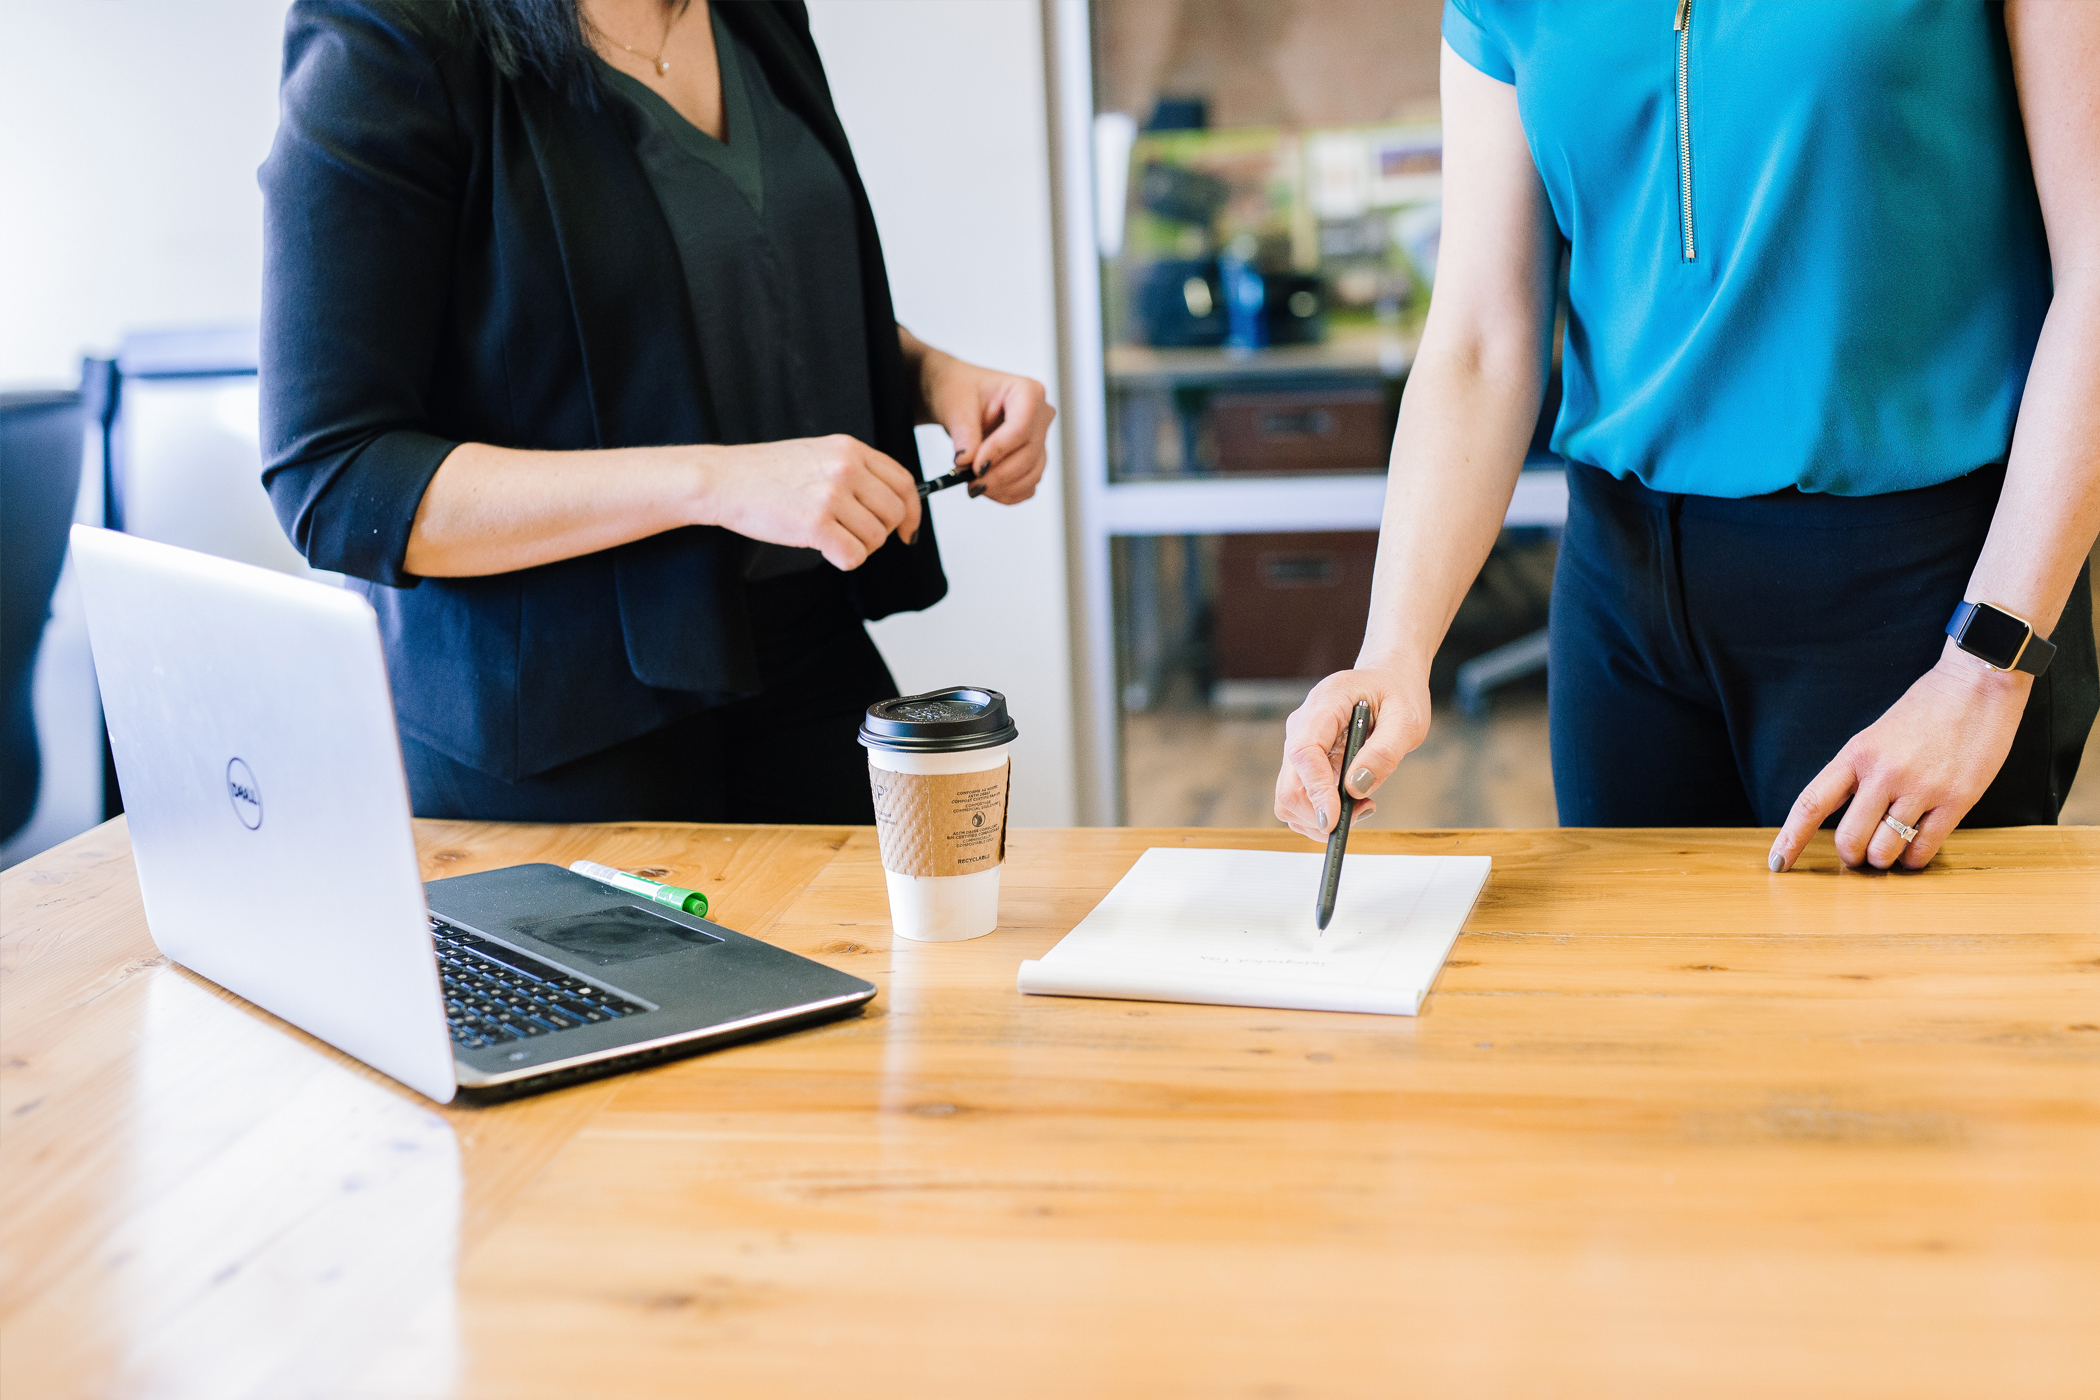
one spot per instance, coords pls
(671, 17)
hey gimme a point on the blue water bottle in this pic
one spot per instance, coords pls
(1246, 303)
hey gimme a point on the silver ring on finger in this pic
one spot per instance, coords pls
(1908, 833)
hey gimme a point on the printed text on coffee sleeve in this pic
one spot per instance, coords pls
(940, 823)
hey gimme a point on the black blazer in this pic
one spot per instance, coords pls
(452, 256)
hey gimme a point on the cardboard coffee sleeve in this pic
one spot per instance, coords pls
(941, 823)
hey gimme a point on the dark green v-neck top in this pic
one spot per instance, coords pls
(764, 225)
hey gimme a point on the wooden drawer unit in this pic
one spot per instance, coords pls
(1291, 607)
(1346, 430)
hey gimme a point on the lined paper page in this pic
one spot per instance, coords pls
(1236, 928)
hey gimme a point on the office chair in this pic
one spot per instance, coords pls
(41, 444)
(185, 460)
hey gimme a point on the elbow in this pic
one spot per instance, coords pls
(1508, 357)
(347, 507)
(308, 513)
(1494, 329)
(293, 497)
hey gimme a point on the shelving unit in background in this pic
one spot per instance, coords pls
(1123, 498)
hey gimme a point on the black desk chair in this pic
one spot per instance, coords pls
(42, 438)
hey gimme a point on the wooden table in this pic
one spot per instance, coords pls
(1669, 1126)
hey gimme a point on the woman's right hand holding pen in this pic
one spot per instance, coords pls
(1306, 797)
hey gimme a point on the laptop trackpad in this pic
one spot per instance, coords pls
(619, 933)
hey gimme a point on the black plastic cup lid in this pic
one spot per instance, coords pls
(952, 720)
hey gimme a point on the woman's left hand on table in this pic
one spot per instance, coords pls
(998, 422)
(1926, 762)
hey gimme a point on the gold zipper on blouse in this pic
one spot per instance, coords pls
(1683, 27)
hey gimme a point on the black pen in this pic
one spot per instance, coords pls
(1338, 840)
(942, 483)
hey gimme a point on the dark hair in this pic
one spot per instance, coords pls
(544, 39)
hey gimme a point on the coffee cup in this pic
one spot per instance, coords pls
(938, 767)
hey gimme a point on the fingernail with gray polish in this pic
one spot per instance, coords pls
(1321, 813)
(1361, 780)
(1777, 862)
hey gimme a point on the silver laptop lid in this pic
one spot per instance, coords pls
(254, 738)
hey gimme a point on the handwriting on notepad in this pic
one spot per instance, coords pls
(1266, 962)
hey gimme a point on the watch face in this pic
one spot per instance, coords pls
(1993, 635)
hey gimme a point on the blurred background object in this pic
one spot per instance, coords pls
(185, 445)
(1269, 183)
(41, 440)
(160, 442)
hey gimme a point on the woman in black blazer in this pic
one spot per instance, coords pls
(578, 359)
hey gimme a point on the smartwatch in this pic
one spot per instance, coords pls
(1999, 639)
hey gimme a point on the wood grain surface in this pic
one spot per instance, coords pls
(1669, 1125)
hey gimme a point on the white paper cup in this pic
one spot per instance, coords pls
(942, 908)
(938, 765)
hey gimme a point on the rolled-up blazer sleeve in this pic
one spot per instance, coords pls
(362, 192)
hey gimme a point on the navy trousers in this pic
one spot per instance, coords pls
(788, 754)
(1708, 656)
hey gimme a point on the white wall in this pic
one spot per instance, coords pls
(130, 131)
(944, 103)
(129, 137)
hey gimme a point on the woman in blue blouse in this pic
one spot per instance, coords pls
(1831, 405)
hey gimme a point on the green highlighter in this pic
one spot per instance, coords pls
(685, 901)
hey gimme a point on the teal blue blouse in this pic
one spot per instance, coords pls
(1804, 245)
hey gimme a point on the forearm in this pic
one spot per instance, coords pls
(1465, 423)
(921, 363)
(491, 510)
(2049, 511)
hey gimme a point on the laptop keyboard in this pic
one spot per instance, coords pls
(495, 994)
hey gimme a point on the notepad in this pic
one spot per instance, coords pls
(1235, 928)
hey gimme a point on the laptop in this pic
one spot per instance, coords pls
(254, 737)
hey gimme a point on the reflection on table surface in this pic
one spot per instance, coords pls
(243, 1194)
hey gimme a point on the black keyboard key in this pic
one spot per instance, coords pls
(494, 995)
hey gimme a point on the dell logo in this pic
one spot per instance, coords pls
(244, 794)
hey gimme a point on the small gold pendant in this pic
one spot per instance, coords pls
(663, 68)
